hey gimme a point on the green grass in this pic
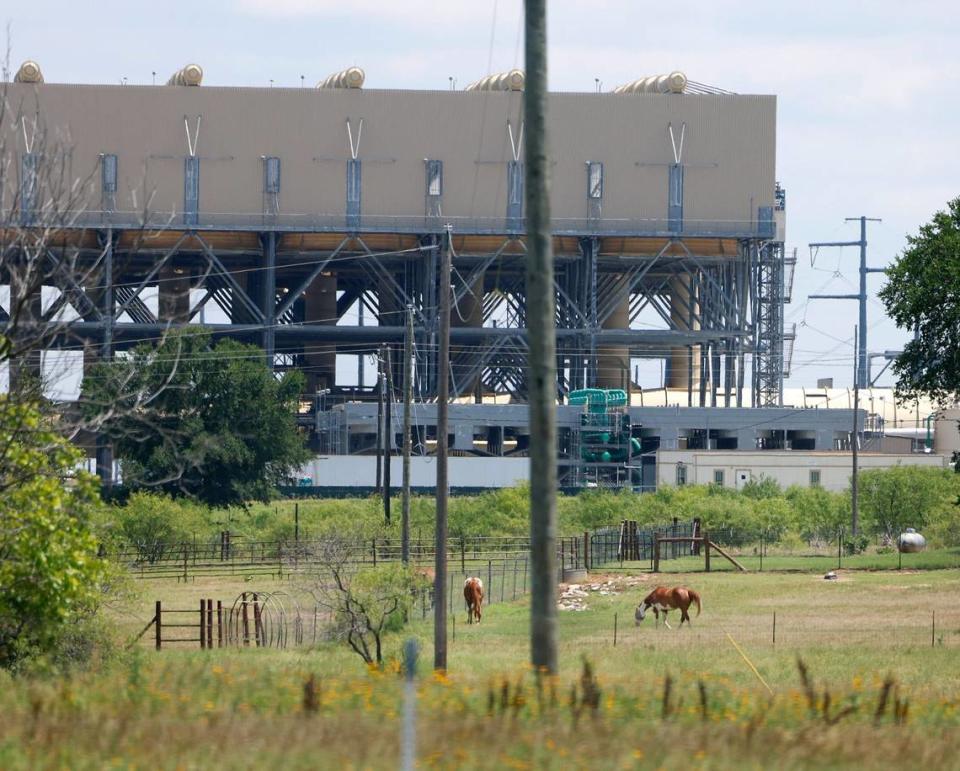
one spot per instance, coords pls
(932, 559)
(183, 708)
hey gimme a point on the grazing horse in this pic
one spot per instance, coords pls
(473, 594)
(663, 600)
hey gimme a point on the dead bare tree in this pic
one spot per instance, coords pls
(362, 605)
(56, 269)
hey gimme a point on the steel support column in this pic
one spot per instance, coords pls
(268, 297)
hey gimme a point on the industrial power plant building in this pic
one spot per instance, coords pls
(313, 221)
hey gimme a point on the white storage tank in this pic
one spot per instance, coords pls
(352, 77)
(673, 83)
(29, 72)
(512, 80)
(190, 75)
(946, 432)
(910, 541)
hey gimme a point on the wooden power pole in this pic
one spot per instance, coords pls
(407, 441)
(443, 395)
(541, 369)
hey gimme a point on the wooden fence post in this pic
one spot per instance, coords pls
(158, 625)
(656, 552)
(203, 624)
(490, 579)
(586, 549)
(246, 622)
(257, 621)
(463, 555)
(209, 623)
(706, 550)
(219, 624)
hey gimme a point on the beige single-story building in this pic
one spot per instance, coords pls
(829, 470)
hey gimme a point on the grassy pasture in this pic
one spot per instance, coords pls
(185, 708)
(820, 561)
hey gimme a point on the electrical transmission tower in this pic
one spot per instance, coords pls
(863, 360)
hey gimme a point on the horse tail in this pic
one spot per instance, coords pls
(696, 598)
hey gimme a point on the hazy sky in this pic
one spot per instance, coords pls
(868, 93)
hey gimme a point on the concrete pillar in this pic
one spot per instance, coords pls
(320, 307)
(613, 361)
(681, 301)
(174, 295)
(467, 312)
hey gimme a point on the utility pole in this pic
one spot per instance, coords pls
(407, 441)
(863, 362)
(443, 394)
(379, 420)
(387, 434)
(854, 481)
(541, 363)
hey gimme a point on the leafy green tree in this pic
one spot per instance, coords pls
(762, 487)
(153, 524)
(50, 574)
(818, 513)
(923, 293)
(906, 496)
(220, 427)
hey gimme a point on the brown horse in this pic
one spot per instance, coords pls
(473, 595)
(663, 600)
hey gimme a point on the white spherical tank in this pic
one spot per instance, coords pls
(29, 72)
(910, 541)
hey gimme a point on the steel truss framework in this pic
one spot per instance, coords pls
(729, 308)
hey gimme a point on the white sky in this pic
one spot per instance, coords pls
(868, 92)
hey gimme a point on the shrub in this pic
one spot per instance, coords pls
(153, 524)
(50, 574)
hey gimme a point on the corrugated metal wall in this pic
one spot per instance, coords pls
(729, 147)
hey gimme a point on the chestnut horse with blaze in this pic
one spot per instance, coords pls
(663, 600)
(473, 594)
